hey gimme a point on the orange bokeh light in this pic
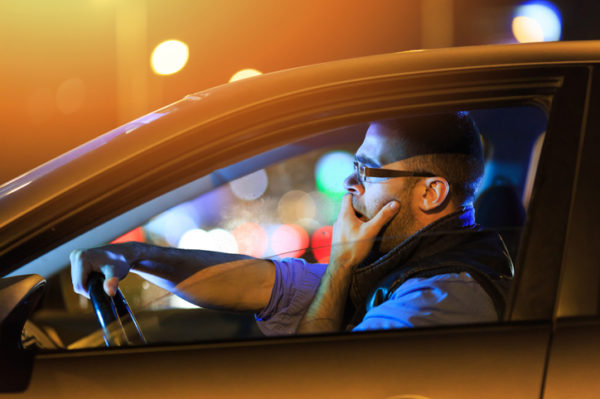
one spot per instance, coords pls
(252, 239)
(245, 73)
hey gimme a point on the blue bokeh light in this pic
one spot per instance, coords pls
(546, 14)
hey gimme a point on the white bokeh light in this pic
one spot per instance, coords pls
(214, 240)
(169, 57)
(194, 239)
(250, 187)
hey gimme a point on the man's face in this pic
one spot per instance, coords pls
(378, 151)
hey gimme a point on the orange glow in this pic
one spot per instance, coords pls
(527, 30)
(245, 73)
(70, 95)
(296, 205)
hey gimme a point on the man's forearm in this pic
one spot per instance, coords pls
(173, 265)
(327, 308)
(211, 279)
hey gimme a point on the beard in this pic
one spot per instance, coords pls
(402, 226)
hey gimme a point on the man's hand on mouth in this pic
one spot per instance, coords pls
(354, 233)
(353, 236)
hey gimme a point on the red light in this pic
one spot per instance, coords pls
(136, 234)
(321, 243)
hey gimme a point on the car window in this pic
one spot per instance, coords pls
(284, 210)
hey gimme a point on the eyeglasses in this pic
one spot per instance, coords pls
(374, 175)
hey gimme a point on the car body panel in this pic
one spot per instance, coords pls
(437, 363)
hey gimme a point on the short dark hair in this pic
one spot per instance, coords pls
(447, 145)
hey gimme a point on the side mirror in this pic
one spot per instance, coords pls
(19, 296)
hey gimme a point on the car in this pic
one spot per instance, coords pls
(534, 105)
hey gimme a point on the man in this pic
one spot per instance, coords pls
(406, 251)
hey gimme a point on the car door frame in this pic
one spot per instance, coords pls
(574, 356)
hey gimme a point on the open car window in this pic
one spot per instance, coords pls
(283, 209)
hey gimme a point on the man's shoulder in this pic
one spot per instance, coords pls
(443, 299)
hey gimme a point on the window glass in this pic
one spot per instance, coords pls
(287, 210)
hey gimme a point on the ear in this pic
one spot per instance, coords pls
(434, 193)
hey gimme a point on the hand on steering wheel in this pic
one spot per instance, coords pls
(119, 326)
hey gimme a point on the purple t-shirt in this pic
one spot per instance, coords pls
(452, 298)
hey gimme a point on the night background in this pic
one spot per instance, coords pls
(74, 69)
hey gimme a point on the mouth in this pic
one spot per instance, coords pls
(361, 216)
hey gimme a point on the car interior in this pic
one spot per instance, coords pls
(276, 204)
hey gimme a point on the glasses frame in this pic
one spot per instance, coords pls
(364, 173)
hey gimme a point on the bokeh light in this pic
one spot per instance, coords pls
(251, 239)
(169, 57)
(308, 224)
(250, 187)
(245, 73)
(327, 209)
(221, 240)
(172, 224)
(527, 30)
(193, 239)
(295, 205)
(70, 95)
(537, 21)
(214, 240)
(320, 243)
(331, 170)
(208, 209)
(136, 234)
(289, 240)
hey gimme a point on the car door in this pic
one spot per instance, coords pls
(575, 352)
(500, 360)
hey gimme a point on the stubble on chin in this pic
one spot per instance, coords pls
(395, 232)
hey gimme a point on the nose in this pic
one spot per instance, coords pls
(353, 185)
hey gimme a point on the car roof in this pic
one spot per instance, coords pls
(48, 181)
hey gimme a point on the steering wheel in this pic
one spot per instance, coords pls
(119, 326)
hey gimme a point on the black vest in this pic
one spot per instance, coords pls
(452, 244)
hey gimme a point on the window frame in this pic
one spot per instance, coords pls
(356, 102)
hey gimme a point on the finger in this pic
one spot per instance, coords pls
(77, 273)
(347, 211)
(384, 215)
(346, 206)
(111, 281)
(110, 286)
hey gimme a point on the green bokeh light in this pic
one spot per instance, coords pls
(330, 172)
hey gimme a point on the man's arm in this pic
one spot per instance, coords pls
(210, 279)
(352, 241)
(443, 299)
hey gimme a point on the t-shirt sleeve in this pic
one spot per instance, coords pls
(296, 283)
(446, 299)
